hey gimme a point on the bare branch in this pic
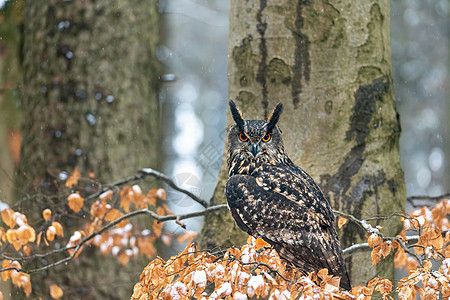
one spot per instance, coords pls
(365, 246)
(369, 229)
(164, 178)
(141, 175)
(411, 199)
(258, 264)
(86, 239)
(356, 248)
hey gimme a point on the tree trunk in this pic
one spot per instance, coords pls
(330, 65)
(89, 102)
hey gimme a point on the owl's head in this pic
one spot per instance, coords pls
(255, 140)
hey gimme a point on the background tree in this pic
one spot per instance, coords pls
(330, 64)
(90, 81)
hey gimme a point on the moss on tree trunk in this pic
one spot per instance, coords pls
(90, 102)
(330, 65)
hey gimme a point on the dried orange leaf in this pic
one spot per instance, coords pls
(374, 240)
(55, 291)
(113, 214)
(58, 228)
(75, 202)
(400, 258)
(8, 217)
(51, 231)
(384, 286)
(106, 195)
(160, 211)
(27, 250)
(260, 243)
(98, 209)
(157, 227)
(376, 256)
(124, 258)
(38, 241)
(161, 194)
(188, 236)
(342, 221)
(47, 214)
(73, 179)
(125, 204)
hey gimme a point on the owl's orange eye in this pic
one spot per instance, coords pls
(267, 138)
(243, 137)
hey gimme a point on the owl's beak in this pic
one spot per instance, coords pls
(256, 149)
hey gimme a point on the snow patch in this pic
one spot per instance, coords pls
(253, 284)
(220, 271)
(446, 266)
(199, 278)
(242, 277)
(224, 290)
(239, 296)
(177, 291)
(137, 189)
(277, 295)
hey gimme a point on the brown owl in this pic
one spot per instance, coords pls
(272, 198)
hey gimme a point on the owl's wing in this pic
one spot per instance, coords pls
(283, 211)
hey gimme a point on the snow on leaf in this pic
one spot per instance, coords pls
(106, 195)
(47, 214)
(374, 240)
(219, 271)
(58, 228)
(224, 290)
(161, 194)
(74, 240)
(242, 278)
(255, 286)
(446, 266)
(176, 291)
(50, 234)
(199, 278)
(240, 296)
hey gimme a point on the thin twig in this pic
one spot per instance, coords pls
(371, 230)
(86, 239)
(365, 246)
(264, 265)
(164, 178)
(141, 174)
(411, 199)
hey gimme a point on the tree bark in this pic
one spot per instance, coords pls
(89, 102)
(330, 65)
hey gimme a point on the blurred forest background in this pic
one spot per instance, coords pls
(193, 95)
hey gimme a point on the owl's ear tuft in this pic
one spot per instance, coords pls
(274, 116)
(237, 116)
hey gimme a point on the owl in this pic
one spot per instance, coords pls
(272, 198)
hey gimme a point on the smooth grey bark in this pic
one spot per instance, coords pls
(330, 65)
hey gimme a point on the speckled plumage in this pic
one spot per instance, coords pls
(272, 198)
